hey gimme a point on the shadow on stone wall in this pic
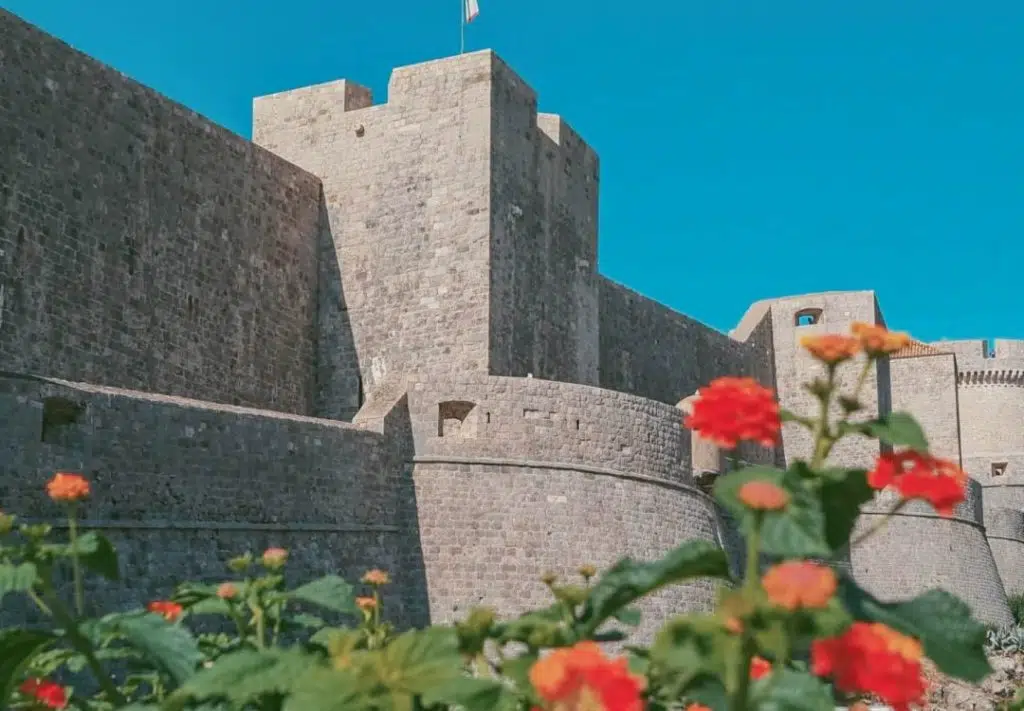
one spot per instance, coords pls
(338, 387)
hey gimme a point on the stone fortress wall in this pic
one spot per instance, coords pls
(409, 289)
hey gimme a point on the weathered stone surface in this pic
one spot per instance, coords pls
(408, 290)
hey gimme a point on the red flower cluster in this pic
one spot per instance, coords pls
(871, 658)
(47, 693)
(921, 476)
(759, 667)
(730, 410)
(170, 611)
(581, 677)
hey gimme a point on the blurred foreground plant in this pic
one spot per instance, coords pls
(794, 632)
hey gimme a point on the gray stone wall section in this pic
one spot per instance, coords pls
(544, 300)
(648, 349)
(508, 470)
(925, 386)
(407, 190)
(183, 485)
(529, 419)
(836, 312)
(490, 532)
(918, 550)
(1005, 531)
(142, 246)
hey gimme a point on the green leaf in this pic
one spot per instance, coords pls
(518, 670)
(630, 616)
(797, 531)
(169, 646)
(246, 676)
(209, 606)
(17, 647)
(627, 581)
(943, 624)
(98, 554)
(471, 694)
(686, 650)
(329, 592)
(786, 690)
(538, 628)
(842, 495)
(899, 429)
(16, 578)
(320, 689)
(419, 660)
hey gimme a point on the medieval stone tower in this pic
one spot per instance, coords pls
(376, 335)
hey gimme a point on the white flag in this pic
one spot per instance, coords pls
(472, 10)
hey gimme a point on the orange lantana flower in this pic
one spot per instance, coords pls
(831, 348)
(763, 496)
(759, 667)
(67, 487)
(878, 340)
(581, 677)
(921, 476)
(226, 591)
(376, 577)
(366, 604)
(731, 410)
(697, 707)
(45, 692)
(799, 584)
(170, 611)
(274, 558)
(871, 658)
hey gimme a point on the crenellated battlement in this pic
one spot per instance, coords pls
(982, 356)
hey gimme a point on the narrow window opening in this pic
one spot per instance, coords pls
(807, 317)
(59, 413)
(361, 396)
(456, 418)
(577, 424)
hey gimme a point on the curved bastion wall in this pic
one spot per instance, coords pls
(1005, 531)
(515, 477)
(918, 550)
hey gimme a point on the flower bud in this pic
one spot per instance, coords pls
(240, 564)
(6, 523)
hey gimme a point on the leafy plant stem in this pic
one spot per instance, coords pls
(82, 645)
(261, 625)
(39, 603)
(751, 579)
(76, 565)
(277, 623)
(823, 439)
(878, 526)
(862, 378)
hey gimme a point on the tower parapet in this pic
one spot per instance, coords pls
(463, 227)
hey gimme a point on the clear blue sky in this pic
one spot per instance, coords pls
(743, 142)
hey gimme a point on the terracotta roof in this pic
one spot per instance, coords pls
(916, 349)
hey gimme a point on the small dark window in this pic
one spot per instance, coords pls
(998, 468)
(59, 414)
(455, 419)
(807, 317)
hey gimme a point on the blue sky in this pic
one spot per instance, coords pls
(749, 148)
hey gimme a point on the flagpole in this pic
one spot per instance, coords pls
(462, 26)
